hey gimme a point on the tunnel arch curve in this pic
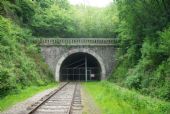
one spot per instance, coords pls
(80, 50)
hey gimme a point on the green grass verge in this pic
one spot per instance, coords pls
(113, 99)
(12, 99)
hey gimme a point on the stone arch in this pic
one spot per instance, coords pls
(73, 51)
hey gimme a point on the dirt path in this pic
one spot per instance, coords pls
(89, 106)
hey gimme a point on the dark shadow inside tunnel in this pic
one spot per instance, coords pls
(80, 67)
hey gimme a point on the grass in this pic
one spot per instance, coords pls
(113, 99)
(12, 99)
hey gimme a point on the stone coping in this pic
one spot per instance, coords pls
(77, 41)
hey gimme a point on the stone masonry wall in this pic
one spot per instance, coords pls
(52, 54)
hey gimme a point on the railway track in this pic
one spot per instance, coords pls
(65, 100)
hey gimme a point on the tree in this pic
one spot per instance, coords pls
(142, 55)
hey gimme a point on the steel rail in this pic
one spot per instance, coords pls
(56, 91)
(69, 111)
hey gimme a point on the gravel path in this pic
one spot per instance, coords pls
(21, 107)
(60, 102)
(89, 106)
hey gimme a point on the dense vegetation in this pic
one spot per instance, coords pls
(144, 54)
(113, 99)
(93, 22)
(20, 62)
(56, 18)
(142, 26)
(52, 19)
(22, 95)
(21, 65)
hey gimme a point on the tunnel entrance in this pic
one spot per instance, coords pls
(80, 67)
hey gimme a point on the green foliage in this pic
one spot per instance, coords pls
(95, 22)
(21, 11)
(12, 99)
(53, 21)
(27, 10)
(56, 18)
(144, 34)
(143, 59)
(59, 19)
(113, 99)
(20, 62)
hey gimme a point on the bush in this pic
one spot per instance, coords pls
(19, 67)
(133, 82)
(151, 74)
(6, 83)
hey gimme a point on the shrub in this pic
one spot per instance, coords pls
(19, 65)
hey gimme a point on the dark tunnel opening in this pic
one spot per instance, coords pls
(80, 67)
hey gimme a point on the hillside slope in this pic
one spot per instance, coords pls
(20, 62)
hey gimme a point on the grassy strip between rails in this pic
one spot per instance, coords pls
(113, 99)
(22, 95)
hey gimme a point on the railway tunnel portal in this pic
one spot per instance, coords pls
(79, 59)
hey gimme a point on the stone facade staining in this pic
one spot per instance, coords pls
(56, 50)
